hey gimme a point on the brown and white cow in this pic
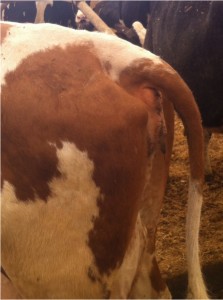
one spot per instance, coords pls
(85, 162)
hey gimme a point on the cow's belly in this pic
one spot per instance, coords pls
(45, 248)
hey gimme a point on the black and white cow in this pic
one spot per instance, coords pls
(62, 13)
(18, 11)
(49, 11)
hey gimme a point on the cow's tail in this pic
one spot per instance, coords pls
(167, 80)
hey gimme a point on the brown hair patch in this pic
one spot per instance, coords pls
(4, 31)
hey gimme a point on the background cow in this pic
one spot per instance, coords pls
(18, 11)
(65, 13)
(189, 35)
(112, 12)
(62, 13)
(56, 12)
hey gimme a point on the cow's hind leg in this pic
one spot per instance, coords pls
(148, 282)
